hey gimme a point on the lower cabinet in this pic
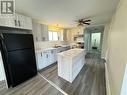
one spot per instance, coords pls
(46, 58)
(53, 56)
(39, 60)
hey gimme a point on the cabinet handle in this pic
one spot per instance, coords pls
(47, 55)
(41, 54)
(15, 22)
(19, 23)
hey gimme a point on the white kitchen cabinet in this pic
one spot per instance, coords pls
(70, 34)
(37, 32)
(42, 60)
(39, 60)
(53, 56)
(40, 32)
(45, 36)
(7, 22)
(46, 58)
(28, 23)
(18, 21)
(23, 22)
(60, 35)
(70, 63)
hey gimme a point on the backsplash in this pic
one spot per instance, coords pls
(49, 44)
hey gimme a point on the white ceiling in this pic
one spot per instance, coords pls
(65, 12)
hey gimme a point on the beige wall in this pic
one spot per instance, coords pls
(117, 48)
(105, 42)
(2, 73)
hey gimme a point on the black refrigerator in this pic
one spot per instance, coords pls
(18, 57)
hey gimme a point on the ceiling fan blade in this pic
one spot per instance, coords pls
(87, 20)
(87, 23)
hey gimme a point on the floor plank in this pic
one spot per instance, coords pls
(34, 86)
(90, 81)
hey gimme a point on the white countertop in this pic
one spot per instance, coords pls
(71, 53)
(39, 50)
(42, 50)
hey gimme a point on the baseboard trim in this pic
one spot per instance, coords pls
(108, 89)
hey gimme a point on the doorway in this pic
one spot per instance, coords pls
(93, 38)
(95, 42)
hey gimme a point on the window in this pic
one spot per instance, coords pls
(53, 35)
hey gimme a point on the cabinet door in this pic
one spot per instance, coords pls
(19, 21)
(55, 56)
(37, 32)
(60, 35)
(52, 56)
(49, 60)
(45, 59)
(34, 32)
(23, 22)
(7, 22)
(39, 58)
(28, 23)
(44, 32)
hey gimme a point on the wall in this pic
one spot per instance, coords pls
(2, 74)
(87, 40)
(117, 48)
(124, 86)
(105, 42)
(49, 44)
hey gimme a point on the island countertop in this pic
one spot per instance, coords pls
(71, 53)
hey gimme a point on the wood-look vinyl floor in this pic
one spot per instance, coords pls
(90, 81)
(34, 86)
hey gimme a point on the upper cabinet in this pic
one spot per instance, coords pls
(28, 23)
(73, 33)
(44, 33)
(18, 21)
(7, 22)
(40, 32)
(60, 35)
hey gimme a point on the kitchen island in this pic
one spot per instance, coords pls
(70, 63)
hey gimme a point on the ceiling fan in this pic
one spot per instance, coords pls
(82, 22)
